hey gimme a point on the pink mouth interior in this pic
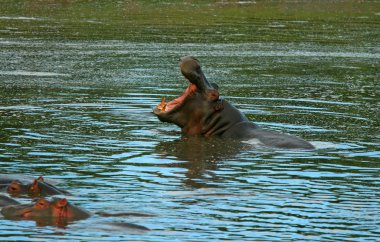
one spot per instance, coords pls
(167, 106)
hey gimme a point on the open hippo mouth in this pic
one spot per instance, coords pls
(166, 107)
(191, 70)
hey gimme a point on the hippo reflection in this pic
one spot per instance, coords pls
(199, 157)
(200, 111)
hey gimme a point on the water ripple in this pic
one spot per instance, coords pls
(95, 132)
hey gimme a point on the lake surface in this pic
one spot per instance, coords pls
(76, 106)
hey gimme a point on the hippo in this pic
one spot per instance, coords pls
(5, 201)
(38, 188)
(56, 212)
(200, 111)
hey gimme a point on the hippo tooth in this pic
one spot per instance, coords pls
(162, 105)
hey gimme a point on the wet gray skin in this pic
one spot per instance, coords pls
(47, 189)
(6, 201)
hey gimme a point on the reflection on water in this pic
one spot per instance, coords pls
(200, 157)
(80, 112)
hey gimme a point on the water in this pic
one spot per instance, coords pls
(79, 112)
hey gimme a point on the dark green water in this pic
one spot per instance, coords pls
(78, 81)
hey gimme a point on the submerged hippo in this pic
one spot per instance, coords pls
(56, 212)
(38, 188)
(200, 111)
(5, 201)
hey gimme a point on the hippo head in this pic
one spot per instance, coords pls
(197, 102)
(58, 211)
(37, 188)
(17, 188)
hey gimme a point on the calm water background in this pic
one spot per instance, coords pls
(78, 82)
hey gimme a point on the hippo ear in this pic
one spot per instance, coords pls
(40, 178)
(34, 187)
(35, 182)
(61, 202)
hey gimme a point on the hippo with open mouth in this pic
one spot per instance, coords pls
(201, 111)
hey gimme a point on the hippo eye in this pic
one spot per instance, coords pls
(41, 203)
(13, 188)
